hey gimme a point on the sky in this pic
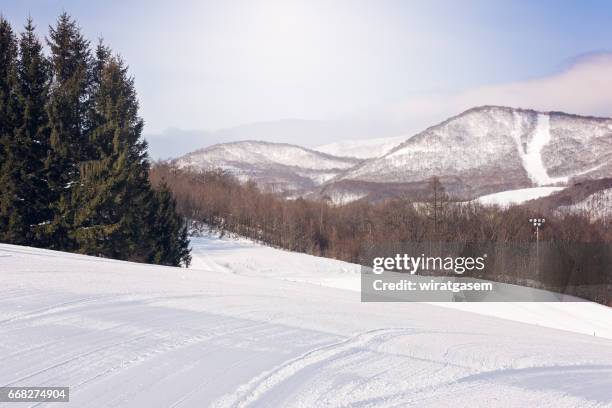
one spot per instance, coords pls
(352, 68)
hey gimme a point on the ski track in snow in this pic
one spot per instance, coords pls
(259, 385)
(236, 333)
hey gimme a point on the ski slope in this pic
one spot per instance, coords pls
(513, 197)
(532, 159)
(255, 326)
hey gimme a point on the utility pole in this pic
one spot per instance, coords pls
(537, 224)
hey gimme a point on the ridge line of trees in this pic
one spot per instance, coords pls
(74, 170)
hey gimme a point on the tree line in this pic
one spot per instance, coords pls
(218, 200)
(74, 170)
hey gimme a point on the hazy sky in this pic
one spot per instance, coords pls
(216, 64)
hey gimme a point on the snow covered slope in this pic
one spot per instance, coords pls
(132, 335)
(362, 149)
(512, 197)
(243, 257)
(276, 166)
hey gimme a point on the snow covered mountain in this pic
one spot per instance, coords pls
(482, 151)
(490, 149)
(277, 167)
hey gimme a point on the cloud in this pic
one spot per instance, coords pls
(584, 88)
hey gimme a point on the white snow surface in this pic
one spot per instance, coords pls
(532, 159)
(512, 197)
(255, 326)
(362, 148)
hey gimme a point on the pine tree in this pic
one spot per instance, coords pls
(94, 118)
(74, 167)
(10, 224)
(23, 173)
(113, 190)
(119, 215)
(169, 232)
(70, 58)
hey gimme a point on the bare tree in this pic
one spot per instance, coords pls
(436, 205)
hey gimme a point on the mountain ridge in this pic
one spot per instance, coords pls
(483, 150)
(277, 167)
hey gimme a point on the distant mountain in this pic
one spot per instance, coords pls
(486, 150)
(482, 151)
(362, 149)
(279, 167)
(177, 142)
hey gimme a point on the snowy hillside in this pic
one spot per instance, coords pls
(491, 149)
(362, 149)
(247, 329)
(276, 166)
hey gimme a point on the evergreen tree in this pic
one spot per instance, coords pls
(10, 226)
(94, 117)
(25, 185)
(74, 167)
(70, 59)
(169, 232)
(8, 78)
(119, 215)
(113, 191)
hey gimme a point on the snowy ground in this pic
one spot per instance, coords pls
(254, 326)
(243, 257)
(532, 159)
(513, 197)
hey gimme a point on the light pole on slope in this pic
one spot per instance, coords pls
(537, 224)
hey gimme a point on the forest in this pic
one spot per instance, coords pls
(575, 252)
(74, 170)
